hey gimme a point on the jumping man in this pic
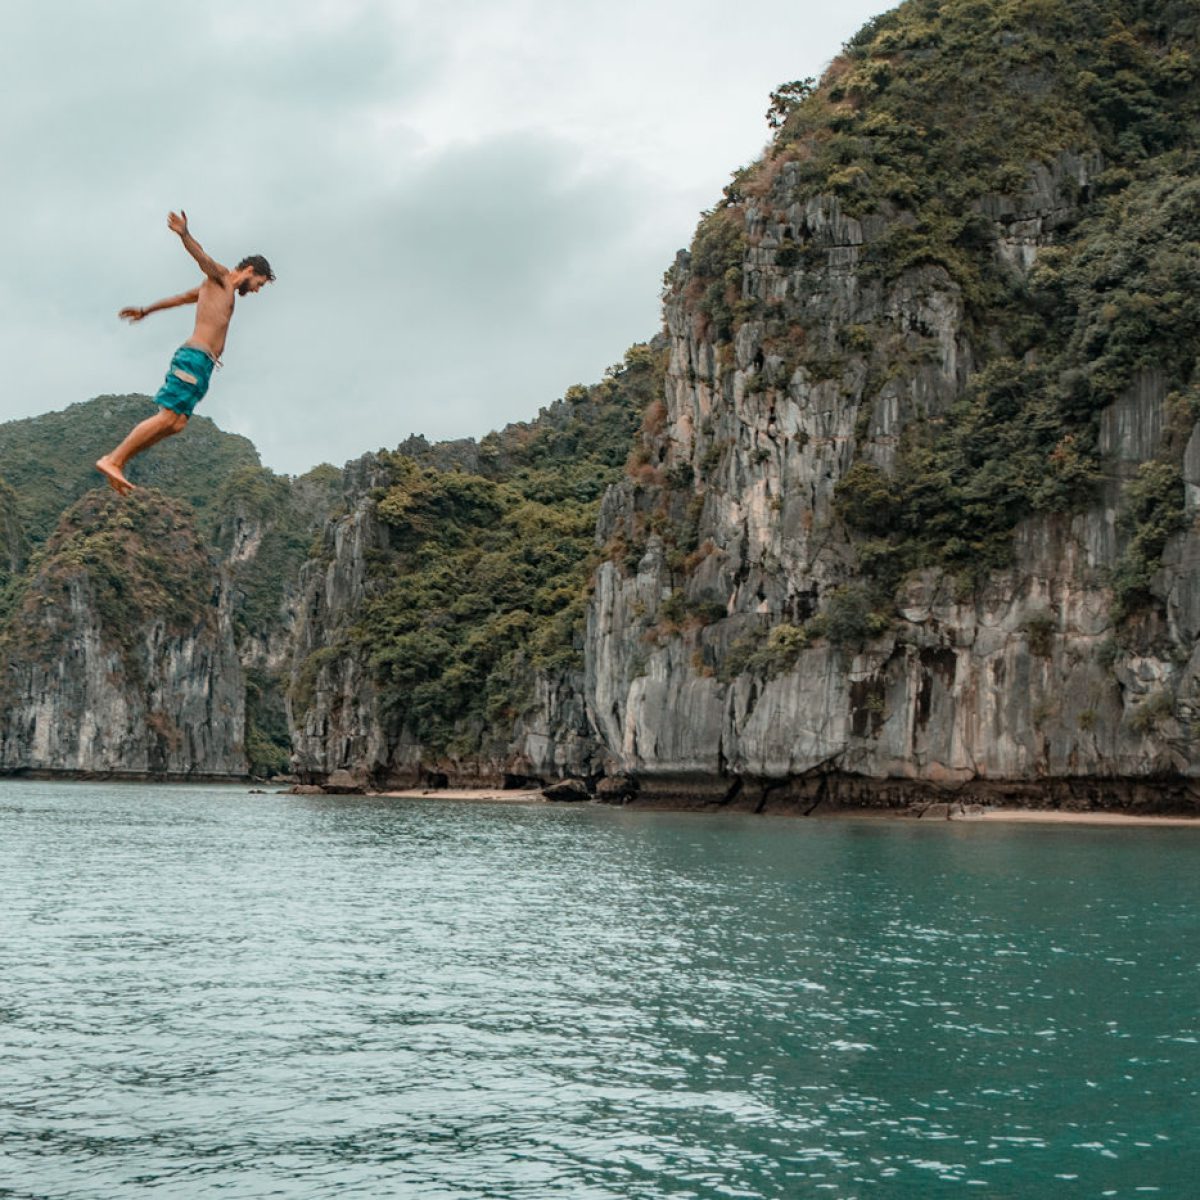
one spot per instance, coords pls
(192, 367)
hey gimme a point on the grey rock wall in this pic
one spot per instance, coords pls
(84, 694)
(1019, 683)
(333, 708)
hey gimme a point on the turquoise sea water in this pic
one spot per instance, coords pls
(205, 993)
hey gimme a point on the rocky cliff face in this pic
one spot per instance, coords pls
(333, 708)
(1020, 682)
(340, 721)
(262, 539)
(919, 509)
(120, 657)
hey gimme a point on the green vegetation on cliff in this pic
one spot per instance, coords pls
(939, 102)
(49, 460)
(485, 581)
(12, 539)
(135, 561)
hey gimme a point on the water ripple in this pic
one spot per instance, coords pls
(208, 994)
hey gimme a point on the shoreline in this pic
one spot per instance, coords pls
(934, 812)
(944, 813)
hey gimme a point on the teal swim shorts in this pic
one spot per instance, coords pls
(187, 380)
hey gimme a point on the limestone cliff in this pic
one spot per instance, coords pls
(339, 716)
(119, 658)
(851, 563)
(439, 629)
(264, 532)
(126, 625)
(333, 709)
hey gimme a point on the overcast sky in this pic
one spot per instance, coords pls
(469, 206)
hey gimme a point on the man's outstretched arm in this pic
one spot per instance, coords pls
(177, 223)
(136, 314)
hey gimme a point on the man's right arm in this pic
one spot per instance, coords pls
(177, 223)
(136, 314)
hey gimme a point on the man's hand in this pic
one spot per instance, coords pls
(177, 223)
(132, 315)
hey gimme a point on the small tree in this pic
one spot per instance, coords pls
(786, 98)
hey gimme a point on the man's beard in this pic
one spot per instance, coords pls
(243, 288)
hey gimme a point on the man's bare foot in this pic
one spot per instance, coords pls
(114, 476)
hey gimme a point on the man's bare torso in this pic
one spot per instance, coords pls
(214, 310)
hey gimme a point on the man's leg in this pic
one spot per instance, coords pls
(152, 430)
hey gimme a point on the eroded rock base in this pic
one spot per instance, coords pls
(817, 794)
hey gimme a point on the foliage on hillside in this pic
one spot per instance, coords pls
(12, 538)
(137, 560)
(938, 102)
(933, 109)
(485, 582)
(49, 459)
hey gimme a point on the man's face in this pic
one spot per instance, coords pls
(252, 284)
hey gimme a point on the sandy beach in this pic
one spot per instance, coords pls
(480, 795)
(1038, 816)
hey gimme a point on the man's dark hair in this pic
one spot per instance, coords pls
(260, 265)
